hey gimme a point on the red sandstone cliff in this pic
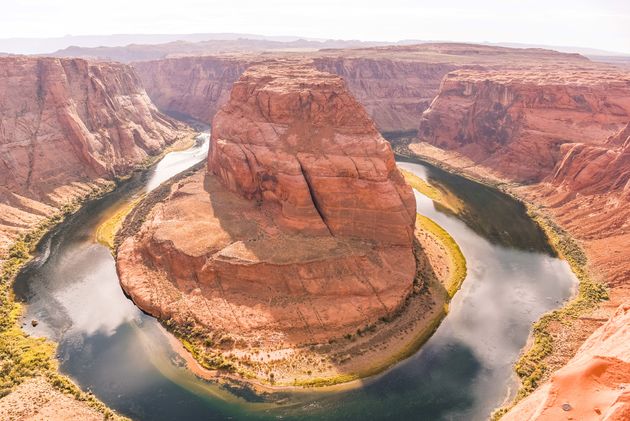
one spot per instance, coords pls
(305, 232)
(66, 123)
(597, 169)
(394, 92)
(300, 141)
(515, 122)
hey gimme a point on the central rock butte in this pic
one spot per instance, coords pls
(299, 232)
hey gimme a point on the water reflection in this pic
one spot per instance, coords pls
(174, 163)
(493, 215)
(85, 285)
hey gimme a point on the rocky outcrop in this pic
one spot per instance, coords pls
(66, 124)
(593, 385)
(300, 230)
(301, 143)
(596, 169)
(521, 123)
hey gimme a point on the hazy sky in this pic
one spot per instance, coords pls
(601, 24)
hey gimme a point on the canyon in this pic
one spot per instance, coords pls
(68, 127)
(551, 129)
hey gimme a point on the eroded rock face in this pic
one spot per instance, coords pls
(394, 92)
(299, 142)
(66, 123)
(593, 385)
(596, 169)
(521, 123)
(299, 231)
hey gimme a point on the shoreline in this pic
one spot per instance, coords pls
(33, 359)
(530, 369)
(417, 320)
(432, 320)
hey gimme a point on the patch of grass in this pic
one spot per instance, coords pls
(106, 231)
(439, 194)
(422, 186)
(458, 261)
(200, 344)
(326, 381)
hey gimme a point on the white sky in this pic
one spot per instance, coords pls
(603, 24)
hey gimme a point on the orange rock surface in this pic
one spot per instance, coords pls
(301, 144)
(593, 385)
(67, 125)
(192, 86)
(305, 232)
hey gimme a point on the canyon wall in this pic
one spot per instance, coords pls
(191, 86)
(520, 123)
(395, 84)
(394, 92)
(67, 125)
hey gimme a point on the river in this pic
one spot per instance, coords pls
(463, 372)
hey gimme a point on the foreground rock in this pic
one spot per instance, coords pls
(300, 231)
(66, 127)
(593, 385)
(37, 400)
